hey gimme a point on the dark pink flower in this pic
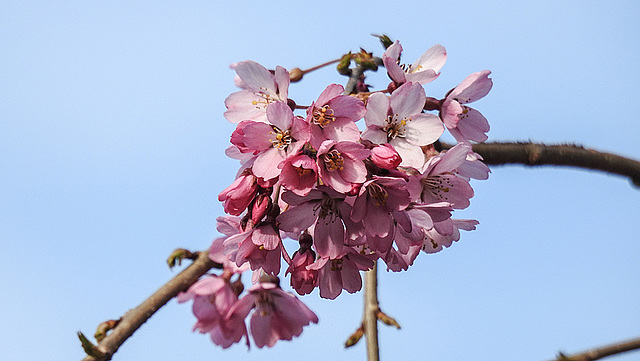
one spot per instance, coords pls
(261, 247)
(299, 174)
(380, 206)
(213, 297)
(341, 273)
(239, 194)
(384, 156)
(341, 164)
(325, 212)
(466, 123)
(303, 280)
(333, 116)
(277, 315)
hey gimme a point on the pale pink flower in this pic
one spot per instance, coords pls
(341, 273)
(439, 181)
(434, 241)
(277, 315)
(341, 164)
(260, 88)
(466, 123)
(333, 116)
(424, 70)
(399, 121)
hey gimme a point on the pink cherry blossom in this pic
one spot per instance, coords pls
(326, 213)
(435, 241)
(341, 164)
(260, 88)
(299, 174)
(424, 70)
(341, 273)
(440, 182)
(261, 247)
(466, 123)
(399, 121)
(303, 280)
(239, 194)
(384, 156)
(380, 206)
(333, 116)
(273, 141)
(213, 297)
(277, 315)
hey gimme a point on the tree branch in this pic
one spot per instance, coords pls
(133, 319)
(536, 154)
(602, 352)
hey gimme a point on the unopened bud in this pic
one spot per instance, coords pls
(385, 156)
(343, 65)
(295, 75)
(384, 39)
(354, 338)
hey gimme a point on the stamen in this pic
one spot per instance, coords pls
(333, 160)
(323, 116)
(378, 194)
(282, 138)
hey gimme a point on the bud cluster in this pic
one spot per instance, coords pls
(346, 197)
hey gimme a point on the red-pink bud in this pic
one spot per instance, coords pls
(384, 156)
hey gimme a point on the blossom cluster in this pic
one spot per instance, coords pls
(345, 197)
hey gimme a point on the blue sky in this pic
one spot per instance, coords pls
(112, 154)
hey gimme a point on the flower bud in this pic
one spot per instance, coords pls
(384, 156)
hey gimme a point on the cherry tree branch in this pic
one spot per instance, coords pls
(536, 154)
(369, 318)
(602, 352)
(133, 319)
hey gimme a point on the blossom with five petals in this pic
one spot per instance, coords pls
(399, 121)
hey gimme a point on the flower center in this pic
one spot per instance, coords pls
(333, 160)
(395, 128)
(438, 185)
(408, 68)
(378, 194)
(282, 138)
(262, 103)
(336, 264)
(323, 116)
(302, 171)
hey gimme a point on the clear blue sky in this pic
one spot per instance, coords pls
(111, 156)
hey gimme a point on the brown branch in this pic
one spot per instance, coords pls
(133, 319)
(536, 154)
(602, 352)
(370, 317)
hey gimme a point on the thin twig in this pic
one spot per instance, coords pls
(133, 319)
(602, 352)
(536, 154)
(370, 316)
